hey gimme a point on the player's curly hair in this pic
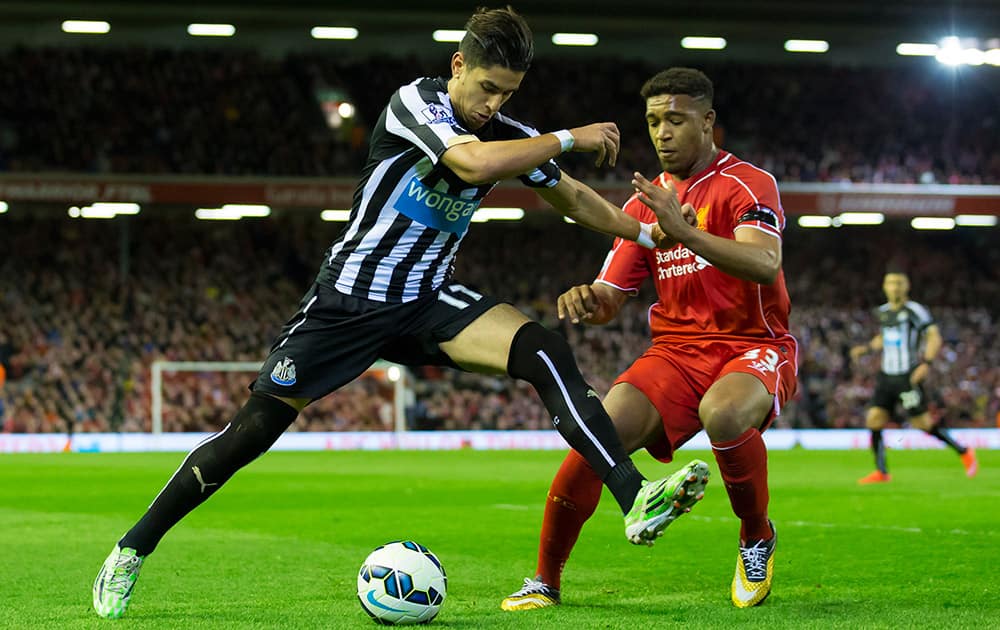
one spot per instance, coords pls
(497, 37)
(688, 81)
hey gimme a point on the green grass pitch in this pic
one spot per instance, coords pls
(280, 545)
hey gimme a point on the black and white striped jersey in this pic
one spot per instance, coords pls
(410, 212)
(902, 336)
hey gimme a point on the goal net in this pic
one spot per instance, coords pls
(204, 395)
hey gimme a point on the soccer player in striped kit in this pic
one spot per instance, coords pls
(909, 341)
(384, 288)
(722, 358)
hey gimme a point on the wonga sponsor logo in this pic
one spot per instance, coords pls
(434, 208)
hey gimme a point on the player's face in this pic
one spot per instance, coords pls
(478, 93)
(896, 286)
(681, 130)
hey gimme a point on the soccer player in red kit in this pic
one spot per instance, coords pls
(722, 359)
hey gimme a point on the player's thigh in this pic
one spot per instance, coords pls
(484, 344)
(733, 404)
(877, 418)
(636, 419)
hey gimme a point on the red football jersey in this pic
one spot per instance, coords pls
(696, 300)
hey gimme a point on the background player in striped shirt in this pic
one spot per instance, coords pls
(909, 340)
(722, 359)
(384, 288)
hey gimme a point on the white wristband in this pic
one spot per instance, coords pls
(645, 237)
(566, 139)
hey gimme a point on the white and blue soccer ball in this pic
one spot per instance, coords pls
(402, 583)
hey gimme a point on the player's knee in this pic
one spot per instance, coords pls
(876, 419)
(254, 429)
(726, 420)
(536, 352)
(922, 422)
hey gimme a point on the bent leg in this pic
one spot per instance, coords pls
(732, 412)
(504, 340)
(576, 490)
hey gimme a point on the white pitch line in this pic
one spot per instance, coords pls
(878, 528)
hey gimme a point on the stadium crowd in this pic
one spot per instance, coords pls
(84, 318)
(238, 112)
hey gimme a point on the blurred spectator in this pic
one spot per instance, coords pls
(238, 112)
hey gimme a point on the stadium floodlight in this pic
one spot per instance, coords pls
(807, 45)
(248, 210)
(335, 215)
(334, 32)
(211, 30)
(913, 49)
(103, 210)
(860, 218)
(448, 35)
(932, 223)
(90, 27)
(815, 221)
(973, 57)
(217, 214)
(703, 43)
(3, 207)
(117, 208)
(497, 214)
(574, 39)
(976, 220)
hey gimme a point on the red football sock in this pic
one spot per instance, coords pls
(743, 464)
(573, 497)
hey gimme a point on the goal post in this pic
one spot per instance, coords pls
(395, 373)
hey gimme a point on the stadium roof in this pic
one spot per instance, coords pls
(859, 31)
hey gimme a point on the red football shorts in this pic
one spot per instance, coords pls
(675, 376)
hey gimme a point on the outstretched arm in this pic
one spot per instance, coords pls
(480, 162)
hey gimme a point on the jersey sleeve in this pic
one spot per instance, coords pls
(626, 265)
(755, 201)
(418, 115)
(922, 315)
(547, 174)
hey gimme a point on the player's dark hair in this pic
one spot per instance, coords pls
(688, 81)
(896, 267)
(497, 37)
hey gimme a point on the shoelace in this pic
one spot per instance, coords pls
(532, 586)
(125, 567)
(755, 561)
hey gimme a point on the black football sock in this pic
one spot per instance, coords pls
(942, 434)
(543, 358)
(252, 431)
(878, 447)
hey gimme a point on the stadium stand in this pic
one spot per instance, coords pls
(77, 338)
(236, 112)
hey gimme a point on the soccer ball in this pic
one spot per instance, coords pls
(402, 583)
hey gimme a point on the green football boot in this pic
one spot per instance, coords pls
(114, 584)
(660, 502)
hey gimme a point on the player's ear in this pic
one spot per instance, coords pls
(709, 120)
(457, 65)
